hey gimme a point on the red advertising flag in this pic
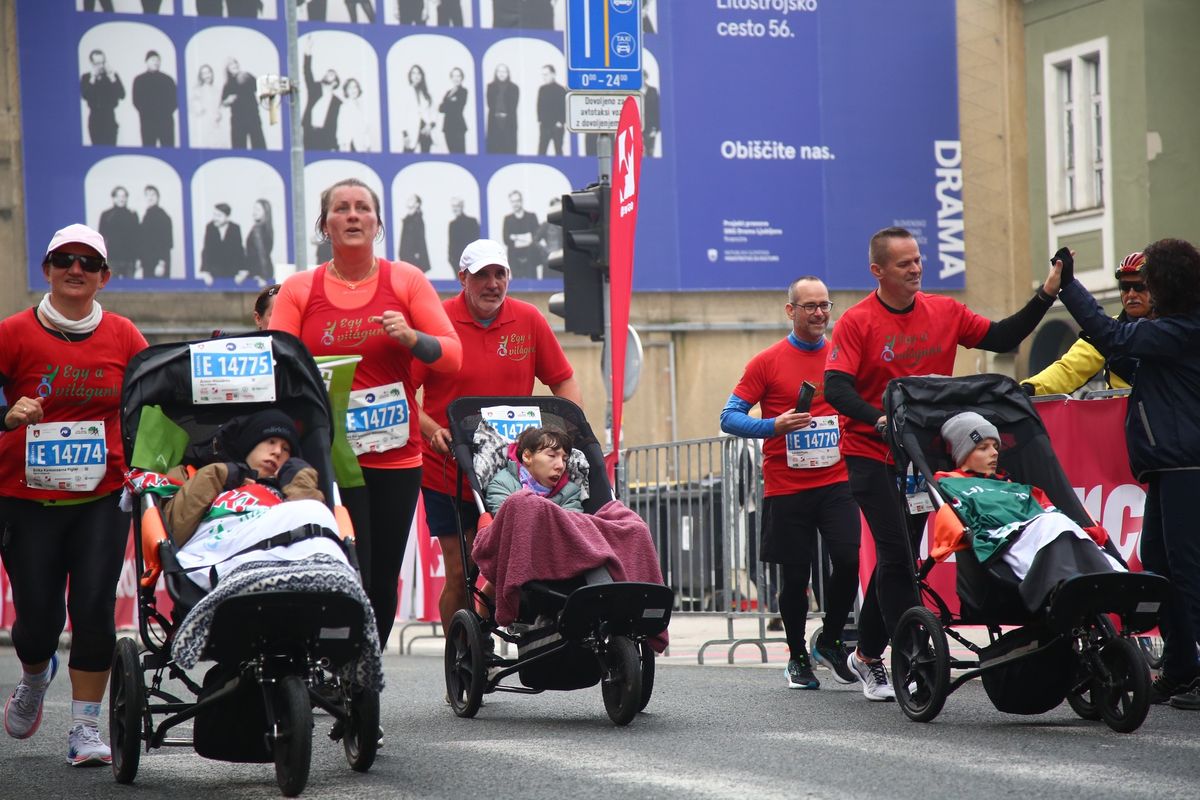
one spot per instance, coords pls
(622, 217)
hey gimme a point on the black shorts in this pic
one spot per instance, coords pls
(791, 522)
(440, 509)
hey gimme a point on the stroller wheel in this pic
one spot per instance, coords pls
(647, 675)
(126, 708)
(920, 664)
(622, 681)
(1123, 692)
(292, 746)
(1081, 701)
(1152, 648)
(465, 663)
(361, 737)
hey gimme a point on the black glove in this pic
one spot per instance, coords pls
(1068, 268)
(1028, 389)
(289, 470)
(237, 473)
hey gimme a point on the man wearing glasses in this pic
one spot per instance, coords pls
(1083, 360)
(805, 491)
(894, 332)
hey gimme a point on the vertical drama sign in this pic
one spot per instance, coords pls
(622, 215)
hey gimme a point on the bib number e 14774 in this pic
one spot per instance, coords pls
(511, 421)
(65, 456)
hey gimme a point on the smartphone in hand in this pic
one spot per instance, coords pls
(805, 397)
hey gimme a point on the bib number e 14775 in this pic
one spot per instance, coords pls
(238, 370)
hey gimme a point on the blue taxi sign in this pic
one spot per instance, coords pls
(604, 45)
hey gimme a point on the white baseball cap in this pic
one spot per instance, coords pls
(77, 234)
(483, 253)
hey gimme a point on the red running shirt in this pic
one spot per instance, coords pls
(79, 381)
(772, 380)
(503, 358)
(873, 345)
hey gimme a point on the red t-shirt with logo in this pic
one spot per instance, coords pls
(772, 380)
(78, 381)
(500, 359)
(873, 344)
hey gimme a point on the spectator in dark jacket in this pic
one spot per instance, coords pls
(1162, 433)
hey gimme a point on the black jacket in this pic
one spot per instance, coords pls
(1162, 427)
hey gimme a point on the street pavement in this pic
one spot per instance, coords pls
(712, 731)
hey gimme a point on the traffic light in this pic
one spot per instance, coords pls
(583, 259)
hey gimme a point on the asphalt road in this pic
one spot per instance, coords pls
(709, 732)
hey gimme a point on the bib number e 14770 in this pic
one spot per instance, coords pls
(815, 446)
(65, 456)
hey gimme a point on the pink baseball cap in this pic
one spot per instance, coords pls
(77, 234)
(483, 253)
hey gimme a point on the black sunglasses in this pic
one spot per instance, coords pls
(65, 260)
(1133, 287)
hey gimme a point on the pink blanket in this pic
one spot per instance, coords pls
(534, 539)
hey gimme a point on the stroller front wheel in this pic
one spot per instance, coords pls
(622, 681)
(292, 746)
(920, 664)
(1122, 693)
(464, 663)
(126, 708)
(647, 675)
(361, 738)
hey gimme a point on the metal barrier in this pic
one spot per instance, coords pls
(701, 499)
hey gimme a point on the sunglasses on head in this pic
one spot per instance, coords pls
(1133, 287)
(65, 260)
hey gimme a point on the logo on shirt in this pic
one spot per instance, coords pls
(46, 385)
(515, 347)
(888, 354)
(908, 349)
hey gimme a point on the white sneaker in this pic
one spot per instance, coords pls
(23, 711)
(874, 677)
(85, 748)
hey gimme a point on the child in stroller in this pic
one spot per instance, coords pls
(579, 594)
(1012, 521)
(263, 585)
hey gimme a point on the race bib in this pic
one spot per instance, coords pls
(233, 371)
(511, 421)
(65, 456)
(815, 446)
(916, 493)
(377, 419)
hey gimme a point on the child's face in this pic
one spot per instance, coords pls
(545, 465)
(268, 456)
(983, 458)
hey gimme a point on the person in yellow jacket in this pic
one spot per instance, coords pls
(1083, 360)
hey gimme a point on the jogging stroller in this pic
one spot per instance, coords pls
(1069, 647)
(569, 634)
(277, 652)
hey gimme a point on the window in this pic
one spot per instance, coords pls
(1077, 138)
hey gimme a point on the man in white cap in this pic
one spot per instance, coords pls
(507, 344)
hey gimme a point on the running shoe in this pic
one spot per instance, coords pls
(833, 657)
(874, 677)
(85, 748)
(799, 673)
(23, 711)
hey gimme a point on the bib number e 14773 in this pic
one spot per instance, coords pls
(377, 419)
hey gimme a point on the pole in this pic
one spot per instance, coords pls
(604, 168)
(299, 225)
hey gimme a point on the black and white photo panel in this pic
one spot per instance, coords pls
(136, 203)
(525, 98)
(239, 223)
(127, 86)
(519, 197)
(223, 65)
(435, 208)
(432, 97)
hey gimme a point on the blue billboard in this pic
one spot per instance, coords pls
(779, 135)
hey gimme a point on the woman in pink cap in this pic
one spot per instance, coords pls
(61, 468)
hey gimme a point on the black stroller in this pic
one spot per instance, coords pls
(1067, 649)
(277, 653)
(569, 634)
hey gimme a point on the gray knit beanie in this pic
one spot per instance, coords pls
(963, 433)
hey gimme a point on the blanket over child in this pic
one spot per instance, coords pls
(533, 539)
